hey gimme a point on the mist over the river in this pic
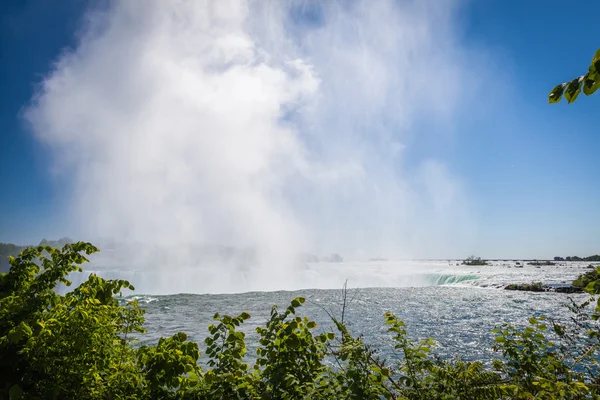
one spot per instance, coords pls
(274, 127)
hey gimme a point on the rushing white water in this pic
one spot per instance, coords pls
(327, 275)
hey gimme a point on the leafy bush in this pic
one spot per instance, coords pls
(586, 278)
(7, 250)
(80, 346)
(74, 346)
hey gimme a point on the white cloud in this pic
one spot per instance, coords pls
(230, 122)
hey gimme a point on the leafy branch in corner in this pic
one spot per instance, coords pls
(589, 83)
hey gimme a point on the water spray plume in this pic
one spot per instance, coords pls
(273, 128)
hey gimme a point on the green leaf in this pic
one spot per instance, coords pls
(15, 335)
(596, 57)
(573, 89)
(298, 301)
(589, 84)
(15, 392)
(590, 286)
(500, 339)
(556, 93)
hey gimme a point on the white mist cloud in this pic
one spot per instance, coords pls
(240, 123)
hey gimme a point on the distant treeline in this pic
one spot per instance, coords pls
(9, 249)
(595, 257)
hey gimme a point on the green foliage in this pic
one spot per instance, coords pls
(169, 370)
(80, 345)
(361, 373)
(55, 346)
(589, 83)
(537, 367)
(289, 356)
(7, 250)
(56, 243)
(420, 376)
(229, 376)
(585, 279)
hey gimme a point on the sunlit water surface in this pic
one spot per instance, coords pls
(456, 305)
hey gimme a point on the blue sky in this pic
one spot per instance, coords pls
(529, 168)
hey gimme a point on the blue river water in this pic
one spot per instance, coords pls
(458, 306)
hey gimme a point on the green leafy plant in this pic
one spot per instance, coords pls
(589, 83)
(170, 369)
(229, 376)
(75, 345)
(534, 366)
(290, 357)
(583, 280)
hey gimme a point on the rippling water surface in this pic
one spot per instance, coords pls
(456, 305)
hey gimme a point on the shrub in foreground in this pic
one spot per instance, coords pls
(80, 346)
(587, 278)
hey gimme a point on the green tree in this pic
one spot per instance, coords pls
(71, 346)
(589, 83)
